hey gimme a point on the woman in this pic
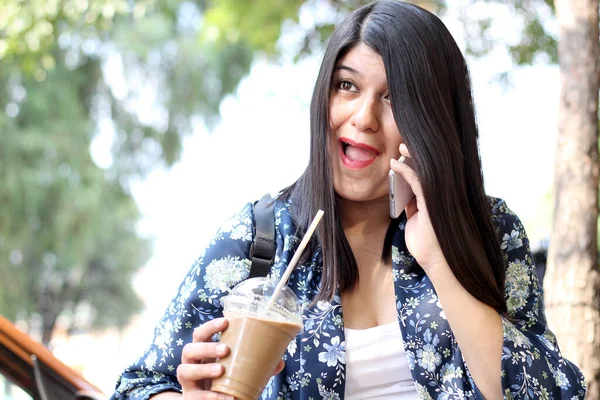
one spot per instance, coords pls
(440, 303)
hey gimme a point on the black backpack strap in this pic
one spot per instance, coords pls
(262, 250)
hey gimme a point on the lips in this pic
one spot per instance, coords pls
(357, 155)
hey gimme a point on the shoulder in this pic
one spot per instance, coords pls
(499, 207)
(237, 227)
(283, 216)
(510, 232)
(241, 226)
(503, 218)
(224, 260)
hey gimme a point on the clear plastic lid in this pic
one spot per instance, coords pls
(252, 297)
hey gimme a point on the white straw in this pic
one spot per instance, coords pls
(297, 254)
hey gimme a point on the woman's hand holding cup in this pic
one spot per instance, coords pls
(198, 363)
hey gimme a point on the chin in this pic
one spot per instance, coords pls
(363, 195)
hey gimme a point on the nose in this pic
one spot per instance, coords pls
(365, 116)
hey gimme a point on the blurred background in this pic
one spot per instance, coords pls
(129, 130)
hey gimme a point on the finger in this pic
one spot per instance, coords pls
(192, 373)
(207, 395)
(205, 331)
(220, 396)
(196, 352)
(214, 396)
(411, 208)
(404, 150)
(409, 175)
(279, 367)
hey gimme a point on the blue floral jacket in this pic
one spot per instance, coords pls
(532, 365)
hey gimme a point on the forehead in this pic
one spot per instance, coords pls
(362, 59)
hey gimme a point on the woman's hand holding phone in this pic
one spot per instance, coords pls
(420, 237)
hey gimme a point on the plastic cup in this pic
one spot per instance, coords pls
(258, 335)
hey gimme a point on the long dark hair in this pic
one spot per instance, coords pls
(432, 105)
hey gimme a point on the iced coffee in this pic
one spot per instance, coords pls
(261, 326)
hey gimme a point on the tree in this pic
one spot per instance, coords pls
(64, 227)
(572, 296)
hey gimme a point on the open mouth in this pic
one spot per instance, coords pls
(357, 155)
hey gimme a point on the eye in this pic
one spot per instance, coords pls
(387, 97)
(346, 85)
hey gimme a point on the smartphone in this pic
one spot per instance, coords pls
(400, 191)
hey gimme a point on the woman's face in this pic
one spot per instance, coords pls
(364, 134)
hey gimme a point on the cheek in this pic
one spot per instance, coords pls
(396, 140)
(338, 113)
(334, 119)
(393, 136)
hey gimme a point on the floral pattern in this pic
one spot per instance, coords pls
(315, 362)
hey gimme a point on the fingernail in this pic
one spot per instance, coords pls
(216, 368)
(221, 349)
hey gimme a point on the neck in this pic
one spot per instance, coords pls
(365, 222)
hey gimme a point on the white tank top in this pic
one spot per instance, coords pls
(376, 365)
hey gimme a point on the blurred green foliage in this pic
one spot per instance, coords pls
(68, 240)
(535, 38)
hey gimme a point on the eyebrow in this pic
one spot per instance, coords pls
(346, 68)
